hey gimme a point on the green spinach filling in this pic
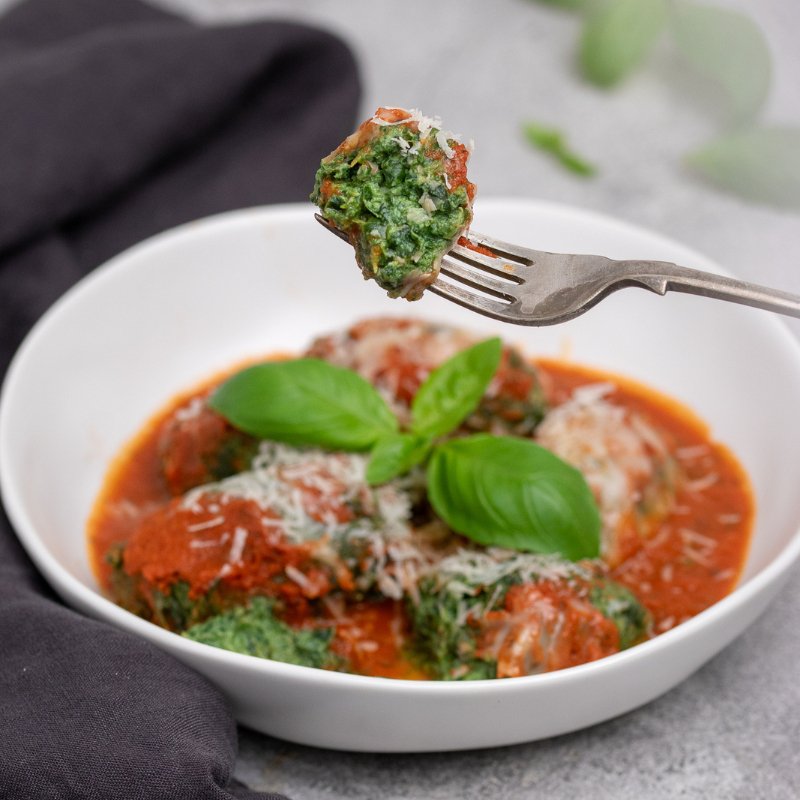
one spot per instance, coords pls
(173, 609)
(254, 630)
(444, 642)
(617, 603)
(391, 197)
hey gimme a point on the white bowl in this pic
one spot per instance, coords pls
(179, 307)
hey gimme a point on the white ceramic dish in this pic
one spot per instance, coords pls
(175, 309)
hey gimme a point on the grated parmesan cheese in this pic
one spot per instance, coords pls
(441, 140)
(298, 577)
(425, 125)
(191, 410)
(300, 489)
(467, 571)
(202, 526)
(237, 546)
(697, 546)
(701, 484)
(198, 544)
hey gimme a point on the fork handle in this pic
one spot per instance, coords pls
(662, 277)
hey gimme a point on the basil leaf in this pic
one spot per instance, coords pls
(512, 493)
(760, 164)
(305, 402)
(395, 455)
(553, 141)
(453, 390)
(618, 36)
(729, 49)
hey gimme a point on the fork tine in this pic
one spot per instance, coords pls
(479, 279)
(474, 302)
(494, 264)
(512, 252)
(332, 228)
(568, 284)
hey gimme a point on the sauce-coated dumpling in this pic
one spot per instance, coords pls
(398, 189)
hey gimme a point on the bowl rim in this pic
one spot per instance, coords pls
(92, 601)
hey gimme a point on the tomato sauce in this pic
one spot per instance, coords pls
(372, 639)
(692, 559)
(696, 556)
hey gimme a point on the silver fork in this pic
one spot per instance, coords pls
(532, 287)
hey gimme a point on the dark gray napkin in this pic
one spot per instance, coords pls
(118, 121)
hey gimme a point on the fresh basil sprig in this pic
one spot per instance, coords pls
(453, 390)
(449, 394)
(495, 490)
(510, 492)
(395, 455)
(307, 402)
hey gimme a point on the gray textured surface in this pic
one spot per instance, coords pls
(730, 731)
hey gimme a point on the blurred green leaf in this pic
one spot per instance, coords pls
(760, 164)
(729, 49)
(554, 142)
(618, 36)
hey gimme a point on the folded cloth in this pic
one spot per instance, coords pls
(118, 121)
